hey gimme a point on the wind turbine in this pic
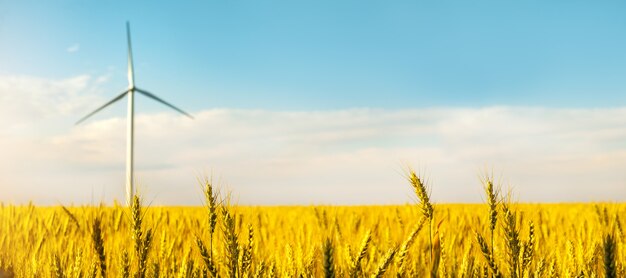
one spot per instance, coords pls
(130, 131)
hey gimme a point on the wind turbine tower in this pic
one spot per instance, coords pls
(130, 131)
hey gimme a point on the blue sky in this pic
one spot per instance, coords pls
(300, 102)
(328, 54)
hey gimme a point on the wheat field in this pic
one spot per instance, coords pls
(495, 239)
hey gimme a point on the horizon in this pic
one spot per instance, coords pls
(315, 103)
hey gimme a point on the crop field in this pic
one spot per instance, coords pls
(495, 239)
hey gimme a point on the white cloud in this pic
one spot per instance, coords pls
(30, 103)
(341, 157)
(73, 48)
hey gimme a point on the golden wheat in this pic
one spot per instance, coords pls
(221, 240)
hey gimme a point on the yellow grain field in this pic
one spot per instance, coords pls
(495, 239)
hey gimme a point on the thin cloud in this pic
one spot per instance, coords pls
(73, 48)
(26, 98)
(350, 156)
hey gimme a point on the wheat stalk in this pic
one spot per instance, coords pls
(467, 265)
(610, 269)
(142, 242)
(98, 245)
(529, 248)
(212, 269)
(492, 201)
(328, 263)
(71, 216)
(76, 270)
(355, 269)
(58, 269)
(231, 244)
(511, 236)
(484, 248)
(246, 256)
(404, 248)
(125, 265)
(211, 199)
(385, 262)
(419, 187)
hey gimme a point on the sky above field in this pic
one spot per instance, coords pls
(315, 102)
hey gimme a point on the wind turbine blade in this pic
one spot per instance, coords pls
(148, 94)
(131, 72)
(102, 107)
